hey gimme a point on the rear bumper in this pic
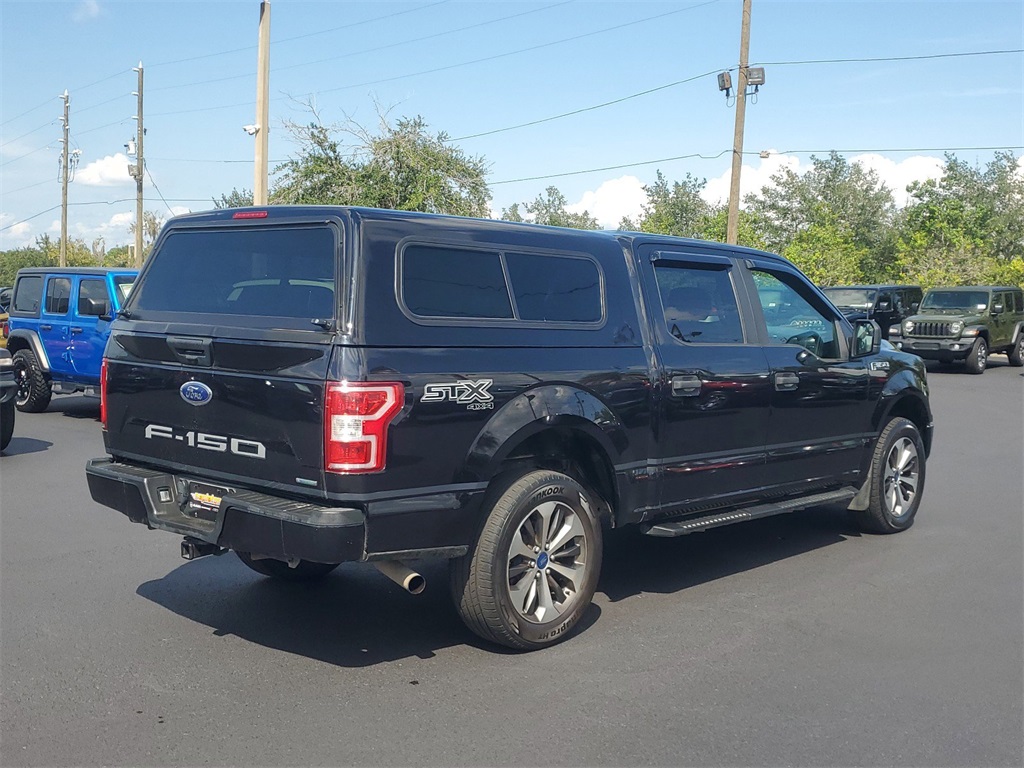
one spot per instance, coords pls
(245, 521)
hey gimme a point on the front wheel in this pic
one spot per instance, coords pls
(305, 570)
(533, 570)
(897, 479)
(34, 390)
(1016, 355)
(978, 358)
(7, 412)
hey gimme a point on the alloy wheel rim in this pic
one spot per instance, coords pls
(547, 563)
(902, 474)
(982, 356)
(24, 388)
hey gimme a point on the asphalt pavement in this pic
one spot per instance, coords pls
(788, 641)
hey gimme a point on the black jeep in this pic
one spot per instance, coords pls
(308, 386)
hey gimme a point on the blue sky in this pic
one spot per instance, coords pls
(482, 68)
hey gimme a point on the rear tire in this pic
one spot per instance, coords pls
(532, 573)
(306, 570)
(897, 479)
(7, 411)
(977, 360)
(34, 390)
(1016, 354)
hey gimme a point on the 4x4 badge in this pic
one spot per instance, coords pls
(472, 394)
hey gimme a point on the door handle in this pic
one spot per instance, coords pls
(75, 330)
(46, 327)
(686, 386)
(786, 382)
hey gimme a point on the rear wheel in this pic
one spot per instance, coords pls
(305, 570)
(33, 389)
(978, 358)
(7, 412)
(1016, 354)
(897, 479)
(533, 570)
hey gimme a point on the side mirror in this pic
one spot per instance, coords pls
(914, 305)
(94, 307)
(997, 309)
(884, 306)
(867, 338)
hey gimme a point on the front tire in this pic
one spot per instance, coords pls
(897, 479)
(1016, 355)
(306, 570)
(977, 360)
(533, 570)
(34, 390)
(7, 411)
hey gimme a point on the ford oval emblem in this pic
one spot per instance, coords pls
(195, 393)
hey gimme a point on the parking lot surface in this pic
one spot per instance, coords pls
(788, 641)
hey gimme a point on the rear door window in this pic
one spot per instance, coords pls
(58, 295)
(271, 272)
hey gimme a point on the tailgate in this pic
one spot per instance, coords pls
(250, 411)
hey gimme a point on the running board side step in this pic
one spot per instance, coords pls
(681, 528)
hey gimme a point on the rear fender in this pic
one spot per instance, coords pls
(540, 409)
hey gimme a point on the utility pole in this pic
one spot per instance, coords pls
(732, 230)
(259, 188)
(65, 165)
(137, 171)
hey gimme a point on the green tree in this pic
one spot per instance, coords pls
(841, 198)
(827, 255)
(151, 224)
(236, 198)
(549, 209)
(674, 209)
(403, 167)
(965, 227)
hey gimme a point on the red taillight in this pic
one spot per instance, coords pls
(250, 215)
(356, 419)
(103, 393)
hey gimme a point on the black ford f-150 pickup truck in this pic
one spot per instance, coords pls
(309, 386)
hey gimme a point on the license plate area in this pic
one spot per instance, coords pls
(203, 500)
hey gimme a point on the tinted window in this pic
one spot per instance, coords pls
(966, 301)
(1018, 301)
(95, 290)
(28, 294)
(791, 314)
(272, 272)
(453, 282)
(555, 288)
(58, 295)
(699, 303)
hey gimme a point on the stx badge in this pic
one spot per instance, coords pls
(472, 394)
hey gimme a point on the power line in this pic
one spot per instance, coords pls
(30, 186)
(612, 167)
(891, 58)
(45, 103)
(300, 37)
(102, 202)
(368, 50)
(459, 64)
(29, 133)
(587, 109)
(892, 149)
(153, 182)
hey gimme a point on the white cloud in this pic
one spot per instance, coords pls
(751, 179)
(177, 210)
(111, 171)
(895, 175)
(17, 235)
(612, 200)
(87, 9)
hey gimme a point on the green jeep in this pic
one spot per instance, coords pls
(966, 323)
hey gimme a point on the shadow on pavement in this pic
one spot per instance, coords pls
(634, 563)
(25, 445)
(357, 617)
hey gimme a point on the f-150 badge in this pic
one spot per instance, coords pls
(472, 394)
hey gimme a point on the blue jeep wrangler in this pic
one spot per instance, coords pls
(59, 324)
